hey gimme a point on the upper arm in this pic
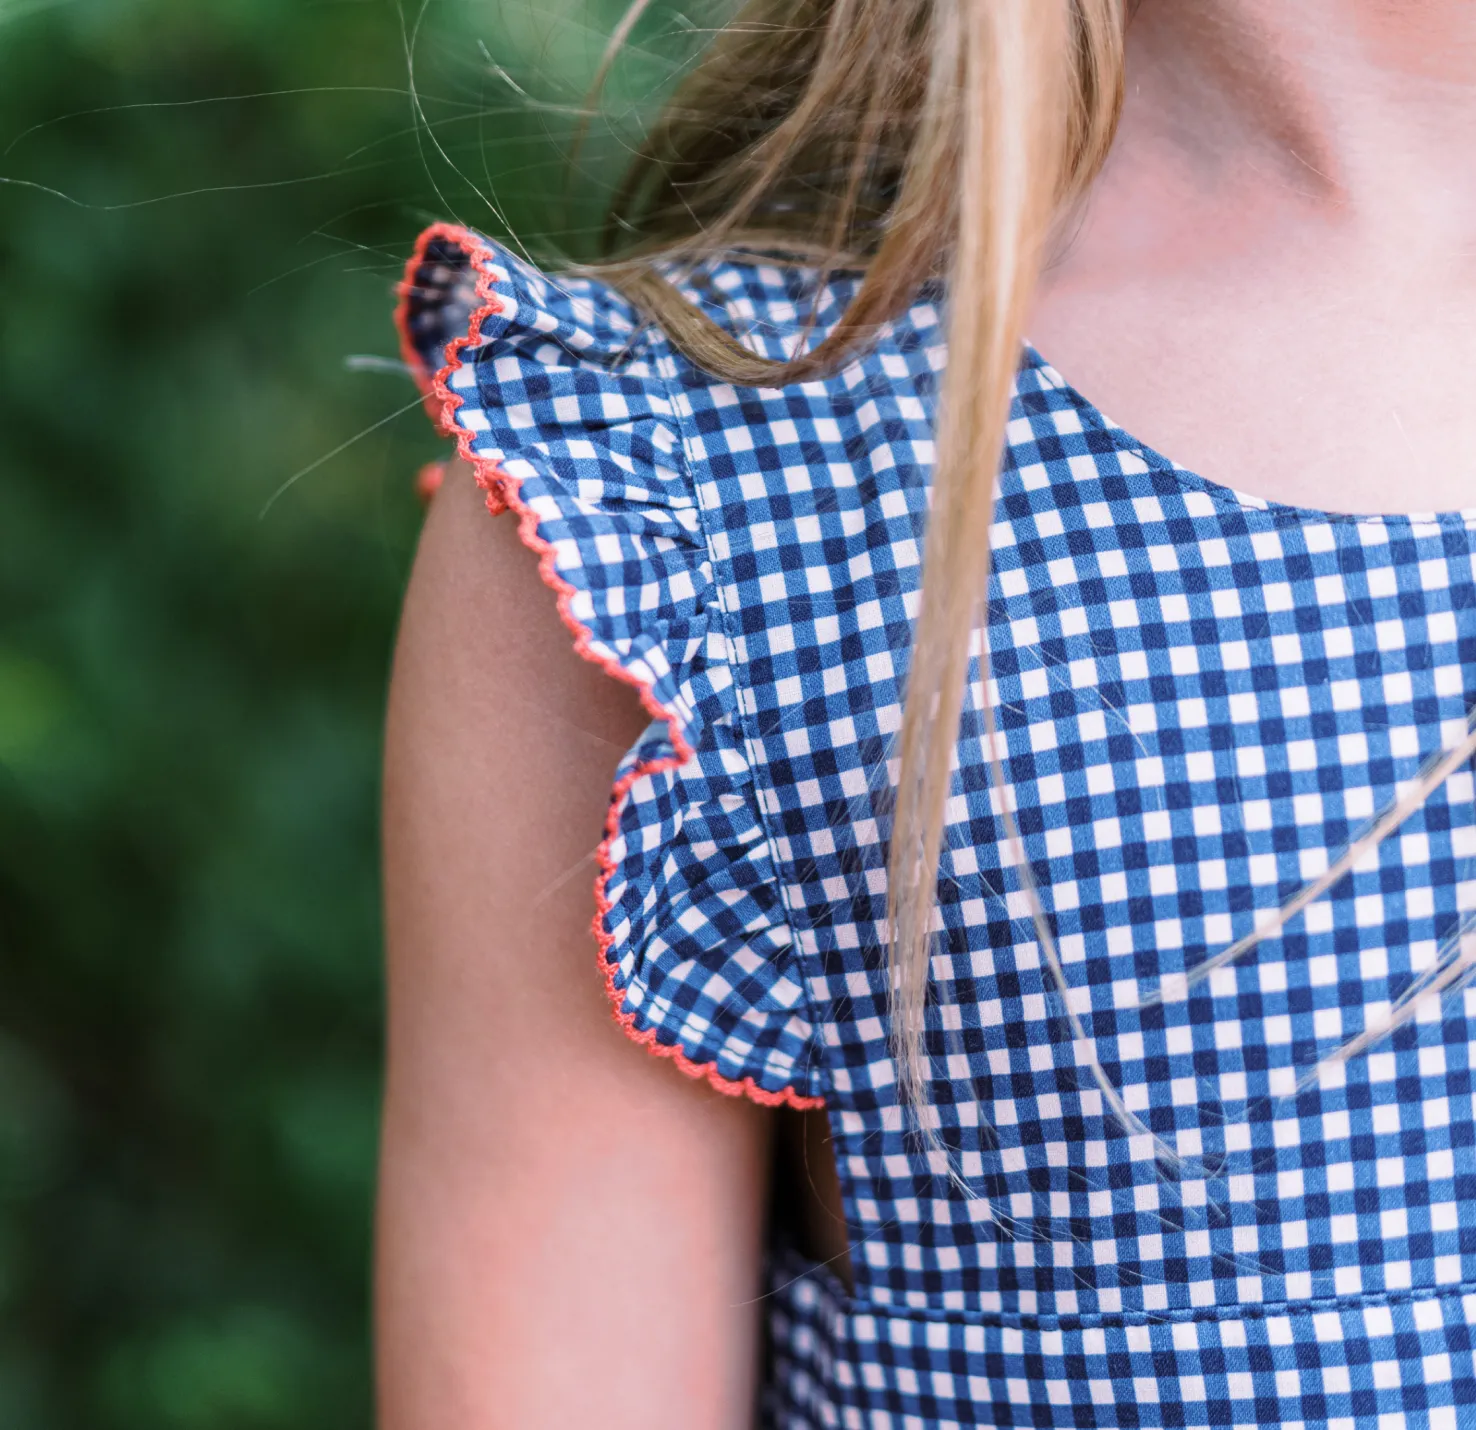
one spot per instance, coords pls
(569, 1231)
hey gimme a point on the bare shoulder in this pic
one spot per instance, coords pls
(521, 1125)
(478, 613)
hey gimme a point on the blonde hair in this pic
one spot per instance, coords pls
(913, 140)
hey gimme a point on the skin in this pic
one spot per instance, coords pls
(569, 1229)
(1275, 282)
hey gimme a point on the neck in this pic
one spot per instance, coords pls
(1366, 105)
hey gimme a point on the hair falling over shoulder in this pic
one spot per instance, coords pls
(913, 140)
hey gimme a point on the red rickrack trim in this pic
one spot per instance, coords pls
(429, 480)
(502, 492)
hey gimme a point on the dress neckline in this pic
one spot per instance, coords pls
(1217, 492)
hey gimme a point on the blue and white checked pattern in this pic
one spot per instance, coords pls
(564, 404)
(1201, 698)
(1395, 1361)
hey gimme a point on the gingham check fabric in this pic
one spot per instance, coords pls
(1201, 698)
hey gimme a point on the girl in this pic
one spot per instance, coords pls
(1056, 886)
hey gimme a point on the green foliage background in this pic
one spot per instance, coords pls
(195, 292)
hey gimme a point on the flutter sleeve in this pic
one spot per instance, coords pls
(553, 392)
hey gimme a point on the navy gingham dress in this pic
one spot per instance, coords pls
(1202, 697)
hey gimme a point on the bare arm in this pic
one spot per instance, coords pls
(569, 1229)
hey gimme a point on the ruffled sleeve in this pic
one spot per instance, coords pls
(553, 394)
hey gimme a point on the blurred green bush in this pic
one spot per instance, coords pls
(196, 615)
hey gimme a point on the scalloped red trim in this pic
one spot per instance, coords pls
(429, 479)
(502, 491)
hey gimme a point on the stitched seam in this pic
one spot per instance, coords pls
(503, 493)
(852, 1306)
(817, 1043)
